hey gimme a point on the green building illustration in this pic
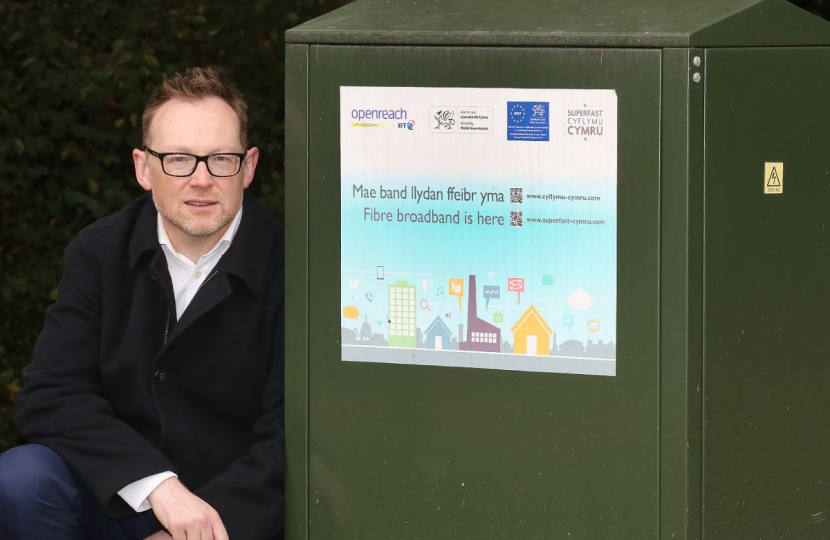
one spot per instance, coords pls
(402, 315)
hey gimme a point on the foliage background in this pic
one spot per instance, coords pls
(74, 77)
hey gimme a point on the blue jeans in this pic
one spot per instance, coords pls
(41, 498)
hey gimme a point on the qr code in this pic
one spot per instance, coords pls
(516, 218)
(516, 195)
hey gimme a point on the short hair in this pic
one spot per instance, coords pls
(193, 84)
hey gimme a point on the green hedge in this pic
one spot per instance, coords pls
(819, 7)
(74, 77)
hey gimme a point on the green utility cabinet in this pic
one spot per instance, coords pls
(468, 401)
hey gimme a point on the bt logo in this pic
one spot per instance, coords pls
(410, 125)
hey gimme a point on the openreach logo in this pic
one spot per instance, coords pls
(376, 117)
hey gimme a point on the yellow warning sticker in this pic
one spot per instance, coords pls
(773, 178)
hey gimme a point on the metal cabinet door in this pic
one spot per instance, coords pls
(397, 451)
(766, 299)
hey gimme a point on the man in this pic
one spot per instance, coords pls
(157, 382)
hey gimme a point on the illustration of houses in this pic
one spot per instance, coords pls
(438, 335)
(481, 335)
(531, 334)
(600, 350)
(402, 315)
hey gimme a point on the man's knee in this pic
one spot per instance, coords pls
(32, 473)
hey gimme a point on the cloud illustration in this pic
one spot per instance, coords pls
(580, 299)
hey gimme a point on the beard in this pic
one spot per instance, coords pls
(195, 227)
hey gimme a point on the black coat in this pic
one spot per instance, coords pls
(121, 390)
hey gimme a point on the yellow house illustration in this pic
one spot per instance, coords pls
(531, 334)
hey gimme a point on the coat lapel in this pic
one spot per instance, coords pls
(255, 235)
(212, 293)
(160, 274)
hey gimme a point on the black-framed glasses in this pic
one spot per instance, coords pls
(181, 164)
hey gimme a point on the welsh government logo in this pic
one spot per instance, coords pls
(445, 119)
(539, 110)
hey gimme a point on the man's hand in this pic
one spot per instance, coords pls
(183, 514)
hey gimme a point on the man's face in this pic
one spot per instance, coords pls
(199, 205)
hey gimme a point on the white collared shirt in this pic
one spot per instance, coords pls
(187, 277)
